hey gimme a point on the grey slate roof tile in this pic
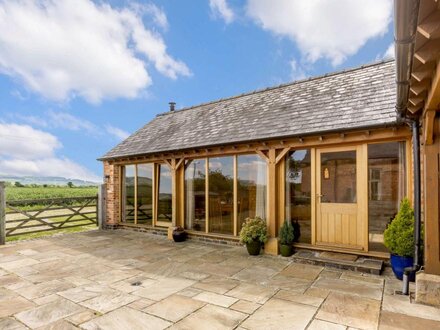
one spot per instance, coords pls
(347, 100)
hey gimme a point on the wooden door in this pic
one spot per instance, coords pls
(341, 209)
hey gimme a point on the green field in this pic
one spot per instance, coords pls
(20, 193)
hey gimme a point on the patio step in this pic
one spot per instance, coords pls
(339, 261)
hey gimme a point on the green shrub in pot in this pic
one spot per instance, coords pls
(286, 237)
(254, 234)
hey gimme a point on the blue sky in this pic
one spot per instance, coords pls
(78, 76)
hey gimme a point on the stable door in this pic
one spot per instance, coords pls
(341, 197)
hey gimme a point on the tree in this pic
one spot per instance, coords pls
(18, 184)
(70, 184)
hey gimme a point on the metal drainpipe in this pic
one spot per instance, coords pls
(417, 209)
(405, 19)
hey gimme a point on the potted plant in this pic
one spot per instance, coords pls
(399, 239)
(254, 234)
(287, 237)
(179, 234)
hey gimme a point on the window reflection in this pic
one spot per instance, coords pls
(195, 179)
(298, 192)
(386, 188)
(129, 182)
(145, 194)
(338, 177)
(221, 200)
(251, 188)
(164, 205)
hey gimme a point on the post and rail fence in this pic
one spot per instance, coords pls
(24, 217)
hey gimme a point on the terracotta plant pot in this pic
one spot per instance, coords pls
(253, 248)
(286, 250)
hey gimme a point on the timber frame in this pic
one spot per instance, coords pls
(273, 152)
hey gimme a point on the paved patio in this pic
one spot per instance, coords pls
(128, 280)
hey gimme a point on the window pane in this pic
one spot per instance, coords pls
(129, 193)
(164, 207)
(195, 179)
(386, 188)
(221, 195)
(145, 193)
(251, 188)
(338, 177)
(298, 192)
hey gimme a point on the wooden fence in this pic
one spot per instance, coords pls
(21, 217)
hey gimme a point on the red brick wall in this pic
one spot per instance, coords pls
(111, 175)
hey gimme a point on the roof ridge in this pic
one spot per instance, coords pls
(256, 91)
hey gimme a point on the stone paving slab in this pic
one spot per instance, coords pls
(128, 280)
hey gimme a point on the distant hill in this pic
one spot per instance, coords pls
(52, 180)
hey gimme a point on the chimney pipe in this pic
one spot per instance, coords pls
(172, 106)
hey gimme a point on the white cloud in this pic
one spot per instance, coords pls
(28, 151)
(296, 71)
(66, 48)
(220, 8)
(389, 53)
(117, 132)
(332, 30)
(70, 122)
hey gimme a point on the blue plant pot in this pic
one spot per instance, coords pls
(399, 263)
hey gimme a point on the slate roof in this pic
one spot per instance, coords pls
(358, 98)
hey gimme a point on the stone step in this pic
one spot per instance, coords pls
(339, 261)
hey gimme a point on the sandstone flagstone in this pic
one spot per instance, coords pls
(11, 324)
(44, 289)
(49, 313)
(323, 325)
(215, 299)
(163, 288)
(211, 317)
(397, 321)
(109, 301)
(306, 272)
(402, 305)
(245, 306)
(345, 286)
(252, 292)
(174, 308)
(14, 304)
(299, 298)
(217, 284)
(126, 318)
(350, 310)
(280, 314)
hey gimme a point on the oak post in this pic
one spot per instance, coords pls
(272, 244)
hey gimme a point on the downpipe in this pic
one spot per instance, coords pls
(417, 264)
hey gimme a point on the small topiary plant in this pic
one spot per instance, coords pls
(399, 235)
(287, 233)
(254, 229)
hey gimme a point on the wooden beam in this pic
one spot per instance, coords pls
(179, 163)
(428, 52)
(423, 72)
(430, 27)
(433, 98)
(428, 127)
(262, 154)
(415, 101)
(272, 189)
(419, 88)
(413, 109)
(281, 155)
(168, 163)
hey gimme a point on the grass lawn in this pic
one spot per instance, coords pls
(19, 193)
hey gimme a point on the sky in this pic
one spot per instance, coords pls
(79, 76)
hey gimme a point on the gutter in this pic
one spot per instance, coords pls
(405, 28)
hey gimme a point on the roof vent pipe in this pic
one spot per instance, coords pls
(405, 27)
(172, 106)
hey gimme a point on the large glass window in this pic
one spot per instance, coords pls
(386, 188)
(145, 194)
(298, 192)
(129, 183)
(164, 207)
(221, 199)
(195, 197)
(251, 188)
